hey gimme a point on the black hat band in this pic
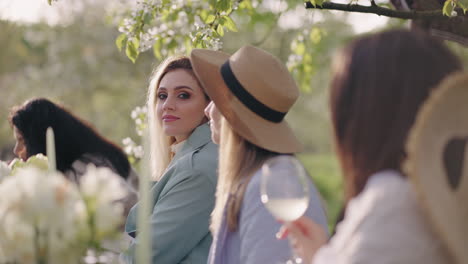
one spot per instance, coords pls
(246, 98)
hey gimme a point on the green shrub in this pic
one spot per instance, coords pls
(325, 172)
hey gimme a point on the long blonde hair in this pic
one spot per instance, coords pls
(238, 161)
(160, 155)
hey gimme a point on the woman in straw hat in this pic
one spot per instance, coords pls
(380, 82)
(183, 162)
(251, 92)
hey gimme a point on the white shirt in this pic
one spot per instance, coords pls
(383, 225)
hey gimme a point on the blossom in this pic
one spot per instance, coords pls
(38, 213)
(101, 190)
(38, 161)
(45, 218)
(4, 170)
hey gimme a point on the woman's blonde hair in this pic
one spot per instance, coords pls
(160, 155)
(238, 161)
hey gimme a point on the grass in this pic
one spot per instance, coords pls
(324, 170)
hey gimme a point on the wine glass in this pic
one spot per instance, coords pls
(285, 191)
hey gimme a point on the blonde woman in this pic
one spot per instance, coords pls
(251, 92)
(184, 163)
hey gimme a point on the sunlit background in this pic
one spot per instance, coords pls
(67, 52)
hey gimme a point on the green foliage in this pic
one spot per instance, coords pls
(325, 173)
(81, 69)
(448, 8)
(317, 2)
(132, 49)
(171, 27)
(120, 41)
(303, 53)
(463, 4)
(450, 5)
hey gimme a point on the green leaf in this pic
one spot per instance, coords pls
(315, 35)
(220, 30)
(136, 42)
(49, 1)
(463, 4)
(157, 49)
(172, 45)
(223, 5)
(204, 14)
(132, 50)
(299, 48)
(448, 8)
(229, 24)
(210, 19)
(317, 2)
(246, 5)
(120, 41)
(147, 19)
(213, 2)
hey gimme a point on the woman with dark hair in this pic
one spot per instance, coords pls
(75, 140)
(77, 143)
(380, 81)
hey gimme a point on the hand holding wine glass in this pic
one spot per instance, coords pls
(285, 190)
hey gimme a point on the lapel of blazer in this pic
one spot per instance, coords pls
(199, 138)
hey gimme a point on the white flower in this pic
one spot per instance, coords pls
(102, 184)
(199, 23)
(4, 170)
(38, 161)
(138, 152)
(127, 141)
(216, 44)
(101, 190)
(38, 214)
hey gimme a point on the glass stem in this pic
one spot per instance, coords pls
(295, 258)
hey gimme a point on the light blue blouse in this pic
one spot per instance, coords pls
(254, 241)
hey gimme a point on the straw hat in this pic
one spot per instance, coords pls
(253, 90)
(437, 163)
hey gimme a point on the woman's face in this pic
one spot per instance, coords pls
(215, 121)
(180, 104)
(20, 148)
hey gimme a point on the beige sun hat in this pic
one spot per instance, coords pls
(437, 163)
(253, 90)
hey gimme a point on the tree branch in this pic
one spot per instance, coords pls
(381, 11)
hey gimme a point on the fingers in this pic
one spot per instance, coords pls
(282, 233)
(308, 227)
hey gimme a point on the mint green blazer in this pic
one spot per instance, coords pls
(182, 203)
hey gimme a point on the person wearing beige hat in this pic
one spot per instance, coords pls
(251, 93)
(379, 84)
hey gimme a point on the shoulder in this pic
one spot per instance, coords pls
(201, 161)
(205, 157)
(253, 186)
(385, 222)
(385, 189)
(384, 192)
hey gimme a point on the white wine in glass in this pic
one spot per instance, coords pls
(285, 190)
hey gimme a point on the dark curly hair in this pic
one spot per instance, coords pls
(73, 137)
